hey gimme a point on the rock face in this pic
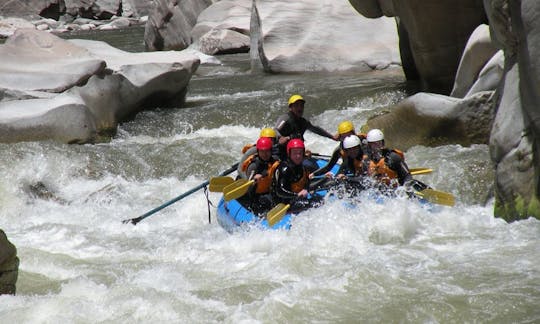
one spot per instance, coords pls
(104, 86)
(432, 35)
(169, 24)
(314, 35)
(515, 138)
(431, 120)
(95, 9)
(9, 265)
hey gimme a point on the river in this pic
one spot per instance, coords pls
(63, 206)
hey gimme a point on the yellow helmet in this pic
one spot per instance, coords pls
(268, 132)
(295, 98)
(345, 127)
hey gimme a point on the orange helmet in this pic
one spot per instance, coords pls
(264, 143)
(295, 143)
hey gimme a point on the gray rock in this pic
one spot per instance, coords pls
(432, 37)
(9, 265)
(223, 41)
(131, 82)
(432, 119)
(319, 36)
(169, 25)
(515, 138)
(39, 61)
(478, 51)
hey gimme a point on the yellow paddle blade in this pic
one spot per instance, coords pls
(276, 214)
(217, 184)
(437, 197)
(237, 189)
(417, 171)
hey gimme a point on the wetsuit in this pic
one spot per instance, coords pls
(289, 179)
(388, 166)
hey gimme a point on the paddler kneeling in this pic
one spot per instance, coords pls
(260, 167)
(291, 180)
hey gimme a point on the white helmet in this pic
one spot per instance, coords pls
(351, 141)
(375, 135)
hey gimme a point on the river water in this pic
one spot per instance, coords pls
(62, 206)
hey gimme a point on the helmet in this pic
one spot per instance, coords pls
(295, 143)
(375, 135)
(345, 127)
(268, 132)
(264, 143)
(295, 98)
(351, 141)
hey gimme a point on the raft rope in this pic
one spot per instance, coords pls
(209, 203)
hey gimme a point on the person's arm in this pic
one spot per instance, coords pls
(319, 131)
(333, 160)
(396, 163)
(282, 129)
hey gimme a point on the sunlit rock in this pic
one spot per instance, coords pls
(169, 25)
(490, 76)
(39, 61)
(223, 41)
(63, 118)
(319, 36)
(478, 51)
(9, 265)
(8, 26)
(130, 83)
(228, 15)
(431, 35)
(432, 119)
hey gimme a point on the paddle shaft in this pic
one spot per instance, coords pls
(136, 220)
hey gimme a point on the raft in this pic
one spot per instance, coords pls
(233, 216)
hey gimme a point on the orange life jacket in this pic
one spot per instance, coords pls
(301, 183)
(247, 162)
(382, 172)
(358, 164)
(264, 183)
(247, 147)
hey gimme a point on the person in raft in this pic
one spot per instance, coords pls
(293, 126)
(291, 180)
(345, 129)
(386, 166)
(260, 168)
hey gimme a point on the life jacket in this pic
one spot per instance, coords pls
(301, 183)
(247, 162)
(359, 165)
(382, 172)
(264, 183)
(247, 147)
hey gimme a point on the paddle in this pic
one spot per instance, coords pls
(437, 197)
(217, 184)
(276, 214)
(237, 189)
(322, 156)
(134, 221)
(417, 171)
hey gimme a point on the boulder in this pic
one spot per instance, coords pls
(312, 35)
(431, 119)
(126, 84)
(432, 35)
(478, 51)
(169, 25)
(33, 60)
(223, 41)
(9, 265)
(515, 138)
